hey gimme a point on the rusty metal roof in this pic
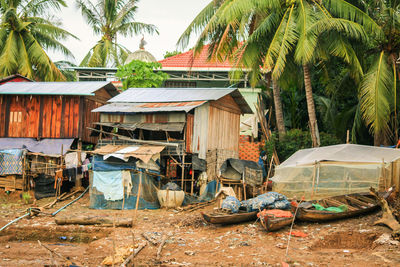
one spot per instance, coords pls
(174, 95)
(56, 88)
(153, 95)
(148, 107)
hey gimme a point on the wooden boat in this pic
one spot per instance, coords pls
(357, 204)
(229, 218)
(272, 223)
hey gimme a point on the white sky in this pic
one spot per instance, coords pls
(170, 16)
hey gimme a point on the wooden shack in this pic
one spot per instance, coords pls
(201, 121)
(51, 109)
(39, 122)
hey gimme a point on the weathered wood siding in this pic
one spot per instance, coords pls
(49, 116)
(189, 132)
(200, 130)
(216, 126)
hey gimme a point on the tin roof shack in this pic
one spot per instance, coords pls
(199, 120)
(51, 109)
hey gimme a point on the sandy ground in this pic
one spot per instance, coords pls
(190, 241)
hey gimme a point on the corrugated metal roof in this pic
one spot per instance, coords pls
(56, 88)
(157, 95)
(148, 107)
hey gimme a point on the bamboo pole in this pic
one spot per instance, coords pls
(138, 197)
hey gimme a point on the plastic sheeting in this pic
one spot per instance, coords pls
(342, 153)
(110, 184)
(148, 192)
(326, 179)
(45, 146)
(270, 200)
(112, 164)
(333, 170)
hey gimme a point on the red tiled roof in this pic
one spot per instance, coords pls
(186, 60)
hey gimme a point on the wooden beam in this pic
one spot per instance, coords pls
(135, 140)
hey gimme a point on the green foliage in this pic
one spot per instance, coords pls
(141, 74)
(171, 53)
(26, 197)
(109, 18)
(27, 29)
(295, 140)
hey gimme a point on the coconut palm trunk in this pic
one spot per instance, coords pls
(311, 107)
(278, 109)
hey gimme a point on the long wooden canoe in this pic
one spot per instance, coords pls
(357, 204)
(229, 218)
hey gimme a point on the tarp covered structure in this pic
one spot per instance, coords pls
(336, 170)
(115, 185)
(46, 146)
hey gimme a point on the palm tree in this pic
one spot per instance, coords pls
(268, 33)
(378, 88)
(109, 18)
(26, 31)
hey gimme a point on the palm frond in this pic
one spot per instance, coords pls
(375, 93)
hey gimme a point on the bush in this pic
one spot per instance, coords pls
(295, 140)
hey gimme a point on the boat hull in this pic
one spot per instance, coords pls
(274, 224)
(312, 215)
(220, 218)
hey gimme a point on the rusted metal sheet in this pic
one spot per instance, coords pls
(189, 132)
(148, 107)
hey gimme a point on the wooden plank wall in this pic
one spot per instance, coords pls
(50, 116)
(224, 124)
(39, 116)
(89, 118)
(189, 132)
(2, 114)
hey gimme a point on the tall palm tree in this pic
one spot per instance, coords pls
(109, 18)
(268, 33)
(378, 88)
(26, 31)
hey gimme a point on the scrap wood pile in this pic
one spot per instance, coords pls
(388, 217)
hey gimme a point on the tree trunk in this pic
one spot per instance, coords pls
(311, 107)
(278, 109)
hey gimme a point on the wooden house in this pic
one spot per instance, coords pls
(51, 109)
(199, 120)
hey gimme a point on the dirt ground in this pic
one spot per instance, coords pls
(190, 241)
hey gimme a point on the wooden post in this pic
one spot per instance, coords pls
(78, 182)
(348, 137)
(138, 197)
(24, 185)
(183, 172)
(313, 179)
(191, 189)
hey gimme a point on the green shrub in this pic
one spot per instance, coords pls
(295, 140)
